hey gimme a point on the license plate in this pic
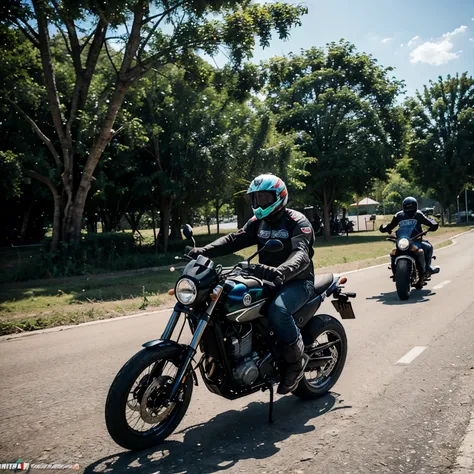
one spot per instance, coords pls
(344, 308)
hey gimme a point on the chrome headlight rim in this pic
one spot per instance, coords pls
(186, 291)
(403, 244)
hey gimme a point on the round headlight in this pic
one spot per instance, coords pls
(403, 243)
(186, 291)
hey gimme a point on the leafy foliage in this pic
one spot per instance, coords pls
(341, 105)
(441, 139)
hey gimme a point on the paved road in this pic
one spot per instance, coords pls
(381, 417)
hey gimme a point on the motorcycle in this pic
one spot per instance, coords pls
(225, 309)
(408, 262)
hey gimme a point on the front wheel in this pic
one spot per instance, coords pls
(328, 334)
(403, 279)
(138, 414)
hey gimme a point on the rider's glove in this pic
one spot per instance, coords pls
(195, 252)
(382, 228)
(434, 227)
(264, 272)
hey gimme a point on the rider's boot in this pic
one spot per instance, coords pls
(294, 363)
(433, 270)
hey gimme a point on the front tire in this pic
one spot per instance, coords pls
(118, 400)
(403, 279)
(329, 328)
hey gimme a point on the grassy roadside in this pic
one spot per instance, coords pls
(42, 304)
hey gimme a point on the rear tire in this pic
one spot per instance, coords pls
(118, 398)
(335, 330)
(403, 279)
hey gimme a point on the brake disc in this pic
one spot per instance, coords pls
(151, 409)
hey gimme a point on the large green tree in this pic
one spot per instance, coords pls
(441, 139)
(148, 34)
(341, 104)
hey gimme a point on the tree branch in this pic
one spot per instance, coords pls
(110, 58)
(69, 50)
(161, 17)
(86, 42)
(29, 37)
(43, 179)
(49, 76)
(38, 131)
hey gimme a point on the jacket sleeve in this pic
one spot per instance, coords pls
(389, 227)
(302, 251)
(245, 237)
(431, 223)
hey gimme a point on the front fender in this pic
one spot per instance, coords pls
(159, 343)
(405, 257)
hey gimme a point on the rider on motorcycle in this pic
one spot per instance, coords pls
(410, 211)
(291, 269)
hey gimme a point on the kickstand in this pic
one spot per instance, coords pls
(269, 385)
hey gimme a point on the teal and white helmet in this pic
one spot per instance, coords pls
(268, 195)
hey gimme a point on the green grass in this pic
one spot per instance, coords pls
(34, 305)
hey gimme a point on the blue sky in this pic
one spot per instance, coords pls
(437, 35)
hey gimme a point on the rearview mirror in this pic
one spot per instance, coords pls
(188, 231)
(273, 245)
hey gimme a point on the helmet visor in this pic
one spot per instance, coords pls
(263, 199)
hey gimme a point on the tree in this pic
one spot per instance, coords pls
(149, 35)
(441, 139)
(341, 105)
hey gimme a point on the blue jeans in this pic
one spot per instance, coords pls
(288, 300)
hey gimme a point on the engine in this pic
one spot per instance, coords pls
(243, 358)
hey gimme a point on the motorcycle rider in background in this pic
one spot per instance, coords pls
(410, 211)
(291, 269)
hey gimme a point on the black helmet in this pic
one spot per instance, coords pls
(410, 206)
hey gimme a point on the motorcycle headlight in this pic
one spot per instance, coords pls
(186, 291)
(403, 243)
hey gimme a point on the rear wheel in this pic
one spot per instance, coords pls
(138, 413)
(318, 379)
(403, 279)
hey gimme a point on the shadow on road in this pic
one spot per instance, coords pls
(220, 443)
(416, 296)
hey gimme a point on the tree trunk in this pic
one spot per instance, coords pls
(165, 215)
(326, 210)
(217, 215)
(153, 220)
(208, 221)
(56, 224)
(175, 224)
(24, 223)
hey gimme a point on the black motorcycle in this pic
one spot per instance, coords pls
(225, 309)
(408, 263)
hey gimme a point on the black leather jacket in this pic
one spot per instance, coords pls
(420, 218)
(290, 227)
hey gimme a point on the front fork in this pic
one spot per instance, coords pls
(201, 327)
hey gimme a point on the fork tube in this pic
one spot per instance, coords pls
(171, 325)
(201, 327)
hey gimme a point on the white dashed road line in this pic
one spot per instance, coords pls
(410, 356)
(440, 285)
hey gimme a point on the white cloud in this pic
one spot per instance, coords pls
(413, 41)
(438, 52)
(401, 46)
(457, 31)
(471, 39)
(386, 40)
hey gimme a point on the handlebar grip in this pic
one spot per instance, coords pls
(188, 248)
(351, 295)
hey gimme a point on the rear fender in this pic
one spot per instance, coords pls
(315, 324)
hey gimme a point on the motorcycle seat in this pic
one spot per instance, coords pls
(323, 282)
